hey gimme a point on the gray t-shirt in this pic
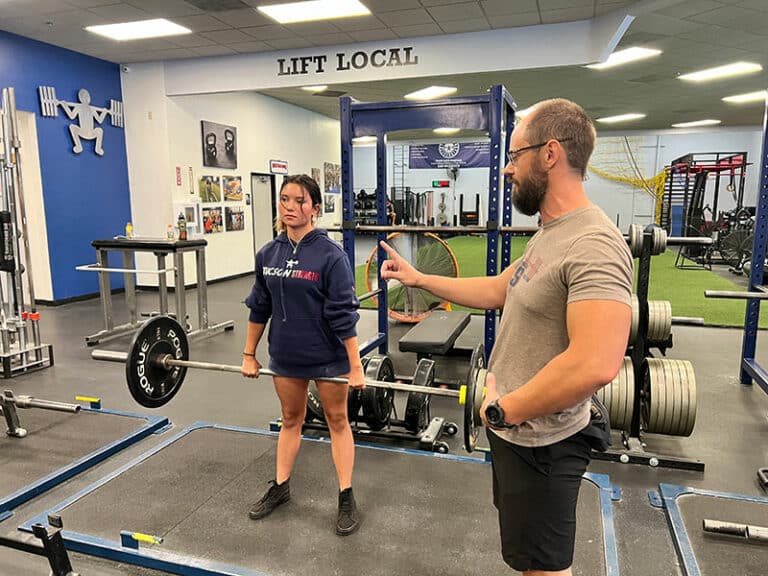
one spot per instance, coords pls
(579, 256)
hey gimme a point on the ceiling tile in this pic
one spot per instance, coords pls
(162, 55)
(212, 51)
(463, 11)
(657, 24)
(249, 47)
(416, 31)
(515, 20)
(271, 32)
(286, 43)
(493, 8)
(227, 36)
(458, 27)
(690, 8)
(406, 17)
(330, 39)
(567, 15)
(243, 18)
(547, 5)
(390, 5)
(164, 8)
(601, 9)
(359, 23)
(761, 5)
(90, 3)
(373, 35)
(726, 14)
(121, 13)
(190, 40)
(312, 28)
(201, 23)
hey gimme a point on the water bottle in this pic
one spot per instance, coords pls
(171, 233)
(129, 230)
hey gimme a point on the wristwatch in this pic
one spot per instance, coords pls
(494, 415)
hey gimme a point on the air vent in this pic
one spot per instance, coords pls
(218, 5)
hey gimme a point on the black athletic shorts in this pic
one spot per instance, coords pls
(535, 491)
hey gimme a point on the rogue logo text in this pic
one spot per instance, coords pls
(381, 58)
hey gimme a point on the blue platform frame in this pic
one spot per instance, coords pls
(493, 113)
(668, 495)
(750, 369)
(127, 549)
(154, 424)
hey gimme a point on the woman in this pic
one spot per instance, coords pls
(305, 284)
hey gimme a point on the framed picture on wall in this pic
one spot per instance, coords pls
(332, 177)
(210, 189)
(315, 173)
(234, 218)
(212, 220)
(219, 145)
(233, 188)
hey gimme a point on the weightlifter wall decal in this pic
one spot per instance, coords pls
(84, 114)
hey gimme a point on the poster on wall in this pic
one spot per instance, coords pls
(449, 155)
(233, 188)
(332, 177)
(315, 173)
(212, 220)
(235, 220)
(219, 145)
(329, 203)
(210, 189)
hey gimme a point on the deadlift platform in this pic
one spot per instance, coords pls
(706, 554)
(182, 507)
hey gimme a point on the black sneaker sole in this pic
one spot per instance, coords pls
(348, 531)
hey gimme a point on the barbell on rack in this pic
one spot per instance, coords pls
(158, 360)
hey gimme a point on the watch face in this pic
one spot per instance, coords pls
(493, 413)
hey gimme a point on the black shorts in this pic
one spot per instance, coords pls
(535, 491)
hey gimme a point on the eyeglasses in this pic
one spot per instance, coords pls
(514, 155)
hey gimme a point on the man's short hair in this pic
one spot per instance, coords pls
(565, 121)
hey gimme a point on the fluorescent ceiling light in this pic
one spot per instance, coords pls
(620, 118)
(735, 69)
(446, 131)
(430, 93)
(315, 89)
(364, 139)
(696, 123)
(625, 56)
(314, 10)
(758, 96)
(139, 30)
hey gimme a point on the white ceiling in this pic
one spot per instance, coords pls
(693, 34)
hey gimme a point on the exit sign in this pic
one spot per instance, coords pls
(441, 183)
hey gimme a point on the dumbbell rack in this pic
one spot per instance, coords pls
(633, 451)
(21, 350)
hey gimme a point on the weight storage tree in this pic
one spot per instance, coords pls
(21, 350)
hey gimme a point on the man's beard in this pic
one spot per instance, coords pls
(529, 193)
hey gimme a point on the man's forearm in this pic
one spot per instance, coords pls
(485, 292)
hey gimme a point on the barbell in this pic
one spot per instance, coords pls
(158, 359)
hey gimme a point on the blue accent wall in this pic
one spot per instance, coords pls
(86, 196)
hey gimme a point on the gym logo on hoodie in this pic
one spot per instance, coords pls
(288, 273)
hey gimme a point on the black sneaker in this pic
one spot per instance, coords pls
(348, 520)
(276, 495)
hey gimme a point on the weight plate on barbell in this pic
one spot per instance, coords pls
(472, 420)
(377, 402)
(150, 384)
(636, 240)
(417, 406)
(618, 396)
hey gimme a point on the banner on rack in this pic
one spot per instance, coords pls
(450, 155)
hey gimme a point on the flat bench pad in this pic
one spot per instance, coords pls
(435, 334)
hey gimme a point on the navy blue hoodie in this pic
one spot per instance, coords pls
(309, 293)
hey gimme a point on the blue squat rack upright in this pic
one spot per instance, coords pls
(493, 113)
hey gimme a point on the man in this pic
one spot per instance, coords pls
(562, 336)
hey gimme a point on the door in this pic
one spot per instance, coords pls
(263, 209)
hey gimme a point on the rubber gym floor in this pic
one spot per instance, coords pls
(423, 514)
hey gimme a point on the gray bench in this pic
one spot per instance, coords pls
(436, 334)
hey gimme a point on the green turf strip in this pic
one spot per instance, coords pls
(683, 288)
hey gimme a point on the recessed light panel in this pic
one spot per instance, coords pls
(313, 10)
(138, 30)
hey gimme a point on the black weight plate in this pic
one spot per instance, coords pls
(471, 423)
(377, 402)
(150, 384)
(314, 405)
(417, 406)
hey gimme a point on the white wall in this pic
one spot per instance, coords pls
(267, 129)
